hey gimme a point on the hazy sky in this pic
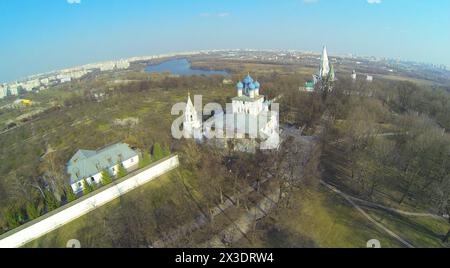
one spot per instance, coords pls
(43, 35)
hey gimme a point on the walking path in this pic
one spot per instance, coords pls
(379, 225)
(402, 212)
(172, 237)
(240, 227)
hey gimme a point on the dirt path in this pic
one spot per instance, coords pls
(173, 236)
(244, 224)
(379, 225)
(402, 212)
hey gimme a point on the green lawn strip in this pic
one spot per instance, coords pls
(420, 231)
(319, 219)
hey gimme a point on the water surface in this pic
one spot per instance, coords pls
(181, 67)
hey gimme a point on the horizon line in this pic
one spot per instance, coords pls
(178, 53)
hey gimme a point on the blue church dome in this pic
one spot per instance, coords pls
(257, 85)
(248, 79)
(240, 85)
(252, 86)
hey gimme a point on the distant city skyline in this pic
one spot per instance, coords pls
(47, 35)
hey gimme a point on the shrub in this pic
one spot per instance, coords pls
(32, 211)
(12, 218)
(145, 160)
(157, 152)
(106, 178)
(70, 195)
(121, 172)
(51, 201)
(87, 188)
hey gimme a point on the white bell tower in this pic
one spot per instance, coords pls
(192, 125)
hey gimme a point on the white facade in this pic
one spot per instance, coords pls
(270, 131)
(14, 89)
(94, 180)
(97, 178)
(30, 85)
(123, 64)
(129, 163)
(45, 81)
(3, 91)
(107, 66)
(65, 79)
(324, 63)
(192, 123)
(252, 106)
(253, 114)
(369, 78)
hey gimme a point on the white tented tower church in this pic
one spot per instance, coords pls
(324, 77)
(326, 70)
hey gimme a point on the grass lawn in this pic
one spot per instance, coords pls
(420, 232)
(409, 79)
(317, 218)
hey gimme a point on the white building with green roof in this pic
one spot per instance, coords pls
(87, 165)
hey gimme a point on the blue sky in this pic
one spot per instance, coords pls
(39, 36)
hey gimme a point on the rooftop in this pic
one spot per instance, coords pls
(245, 98)
(248, 124)
(86, 163)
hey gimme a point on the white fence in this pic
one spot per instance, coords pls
(40, 227)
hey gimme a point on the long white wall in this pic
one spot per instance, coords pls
(53, 222)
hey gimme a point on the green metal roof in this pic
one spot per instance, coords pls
(87, 163)
(309, 84)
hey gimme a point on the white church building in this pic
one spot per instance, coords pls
(251, 122)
